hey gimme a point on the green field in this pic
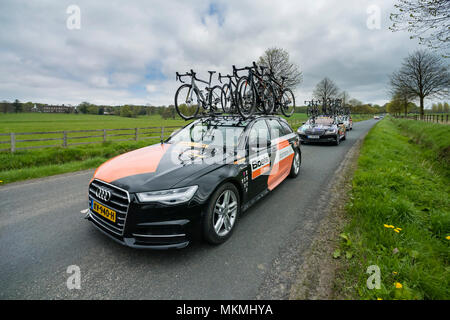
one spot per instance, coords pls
(28, 122)
(26, 164)
(399, 214)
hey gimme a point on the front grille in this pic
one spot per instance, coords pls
(119, 202)
(315, 132)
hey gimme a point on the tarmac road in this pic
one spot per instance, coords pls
(42, 232)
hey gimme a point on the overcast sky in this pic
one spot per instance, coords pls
(127, 52)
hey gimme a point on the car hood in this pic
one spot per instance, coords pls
(318, 127)
(160, 166)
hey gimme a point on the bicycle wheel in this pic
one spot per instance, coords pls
(228, 99)
(246, 98)
(216, 101)
(187, 102)
(287, 103)
(269, 99)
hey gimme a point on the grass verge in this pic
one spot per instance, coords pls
(399, 213)
(28, 164)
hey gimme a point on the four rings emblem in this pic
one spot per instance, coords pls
(103, 194)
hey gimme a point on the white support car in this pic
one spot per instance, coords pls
(347, 121)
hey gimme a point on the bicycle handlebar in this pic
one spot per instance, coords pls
(192, 73)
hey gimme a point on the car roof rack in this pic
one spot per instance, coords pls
(236, 116)
(325, 108)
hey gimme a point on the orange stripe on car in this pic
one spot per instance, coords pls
(279, 172)
(283, 144)
(144, 160)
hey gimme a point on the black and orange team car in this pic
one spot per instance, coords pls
(323, 129)
(197, 182)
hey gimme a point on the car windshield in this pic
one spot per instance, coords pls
(324, 120)
(209, 133)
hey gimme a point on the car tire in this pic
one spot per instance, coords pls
(345, 136)
(295, 167)
(211, 232)
(338, 140)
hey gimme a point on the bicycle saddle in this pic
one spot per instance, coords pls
(211, 72)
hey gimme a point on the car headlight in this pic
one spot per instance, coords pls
(171, 196)
(301, 130)
(330, 131)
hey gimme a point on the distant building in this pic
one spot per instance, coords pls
(53, 109)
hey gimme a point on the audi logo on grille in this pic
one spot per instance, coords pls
(103, 194)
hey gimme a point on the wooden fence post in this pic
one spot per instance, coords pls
(104, 135)
(13, 142)
(162, 134)
(64, 139)
(136, 134)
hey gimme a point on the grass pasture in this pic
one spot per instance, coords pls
(45, 122)
(26, 164)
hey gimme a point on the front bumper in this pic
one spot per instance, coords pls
(146, 241)
(148, 226)
(322, 138)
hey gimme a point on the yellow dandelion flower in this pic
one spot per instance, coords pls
(447, 237)
(396, 230)
(386, 226)
(400, 229)
(398, 285)
(391, 226)
(379, 299)
(395, 273)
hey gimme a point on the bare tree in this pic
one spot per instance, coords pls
(403, 99)
(325, 89)
(345, 97)
(422, 75)
(277, 60)
(427, 20)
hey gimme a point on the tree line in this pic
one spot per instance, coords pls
(129, 111)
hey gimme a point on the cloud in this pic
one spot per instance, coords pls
(129, 51)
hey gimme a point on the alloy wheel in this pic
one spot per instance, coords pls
(225, 212)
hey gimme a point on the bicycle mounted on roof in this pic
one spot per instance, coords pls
(330, 108)
(256, 92)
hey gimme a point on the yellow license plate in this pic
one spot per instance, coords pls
(104, 211)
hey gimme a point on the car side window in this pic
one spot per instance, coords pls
(287, 129)
(259, 134)
(276, 130)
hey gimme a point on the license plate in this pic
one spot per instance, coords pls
(313, 137)
(104, 211)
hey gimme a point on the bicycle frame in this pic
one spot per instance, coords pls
(202, 99)
(232, 85)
